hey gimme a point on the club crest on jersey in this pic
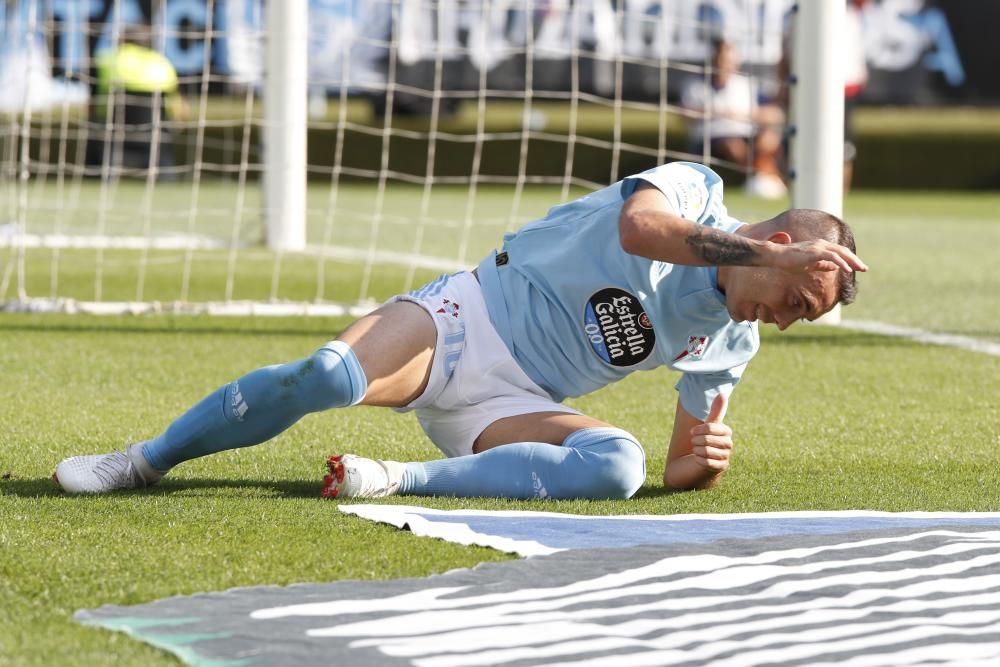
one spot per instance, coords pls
(695, 348)
(688, 185)
(619, 330)
(448, 308)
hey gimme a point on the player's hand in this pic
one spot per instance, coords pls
(712, 441)
(816, 255)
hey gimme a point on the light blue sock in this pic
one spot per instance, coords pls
(261, 405)
(594, 463)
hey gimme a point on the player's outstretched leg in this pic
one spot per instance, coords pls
(245, 412)
(383, 359)
(594, 463)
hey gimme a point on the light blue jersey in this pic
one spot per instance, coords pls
(578, 312)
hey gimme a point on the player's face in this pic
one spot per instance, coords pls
(777, 297)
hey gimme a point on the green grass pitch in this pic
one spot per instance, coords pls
(825, 419)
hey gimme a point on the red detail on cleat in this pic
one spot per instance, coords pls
(331, 481)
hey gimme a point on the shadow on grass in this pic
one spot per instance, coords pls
(286, 488)
(29, 488)
(282, 488)
(658, 492)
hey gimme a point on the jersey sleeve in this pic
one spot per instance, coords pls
(698, 390)
(689, 188)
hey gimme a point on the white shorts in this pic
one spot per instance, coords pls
(474, 380)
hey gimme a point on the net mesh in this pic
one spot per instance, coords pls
(434, 126)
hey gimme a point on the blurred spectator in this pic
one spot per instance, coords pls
(137, 91)
(855, 70)
(26, 81)
(855, 78)
(739, 128)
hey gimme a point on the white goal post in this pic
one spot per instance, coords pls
(817, 137)
(286, 124)
(315, 156)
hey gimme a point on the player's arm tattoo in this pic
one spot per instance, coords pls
(718, 248)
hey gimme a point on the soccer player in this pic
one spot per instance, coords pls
(651, 271)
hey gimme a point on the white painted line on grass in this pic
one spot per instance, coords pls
(922, 336)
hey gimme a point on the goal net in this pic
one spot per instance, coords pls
(144, 167)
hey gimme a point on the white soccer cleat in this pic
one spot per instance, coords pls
(102, 473)
(357, 477)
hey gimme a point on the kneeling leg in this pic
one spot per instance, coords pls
(596, 463)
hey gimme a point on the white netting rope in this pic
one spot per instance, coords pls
(182, 230)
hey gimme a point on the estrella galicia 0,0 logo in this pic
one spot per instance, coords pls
(618, 328)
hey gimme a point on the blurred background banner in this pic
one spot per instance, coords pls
(918, 51)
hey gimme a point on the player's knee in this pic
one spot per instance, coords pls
(626, 470)
(331, 377)
(620, 468)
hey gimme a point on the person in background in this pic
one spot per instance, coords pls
(141, 87)
(855, 69)
(855, 79)
(737, 126)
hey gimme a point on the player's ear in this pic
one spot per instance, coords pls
(780, 237)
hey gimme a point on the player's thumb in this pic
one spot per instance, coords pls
(718, 411)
